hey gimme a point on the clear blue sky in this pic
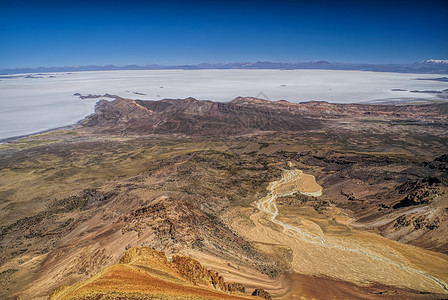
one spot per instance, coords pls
(68, 33)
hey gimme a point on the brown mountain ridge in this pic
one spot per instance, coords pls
(241, 116)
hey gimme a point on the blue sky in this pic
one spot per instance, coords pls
(68, 33)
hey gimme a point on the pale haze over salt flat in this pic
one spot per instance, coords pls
(29, 105)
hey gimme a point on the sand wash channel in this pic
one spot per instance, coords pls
(295, 181)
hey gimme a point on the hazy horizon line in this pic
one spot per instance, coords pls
(219, 63)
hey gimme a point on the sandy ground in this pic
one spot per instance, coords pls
(357, 257)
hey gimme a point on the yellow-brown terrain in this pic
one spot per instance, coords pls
(343, 254)
(347, 202)
(144, 272)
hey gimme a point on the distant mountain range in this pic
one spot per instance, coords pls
(430, 66)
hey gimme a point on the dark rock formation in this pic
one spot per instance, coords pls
(193, 271)
(236, 287)
(262, 294)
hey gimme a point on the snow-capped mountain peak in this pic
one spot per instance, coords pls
(435, 61)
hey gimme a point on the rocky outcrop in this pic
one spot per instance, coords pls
(418, 222)
(193, 271)
(179, 222)
(90, 96)
(237, 287)
(145, 273)
(417, 197)
(440, 164)
(188, 268)
(421, 217)
(262, 294)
